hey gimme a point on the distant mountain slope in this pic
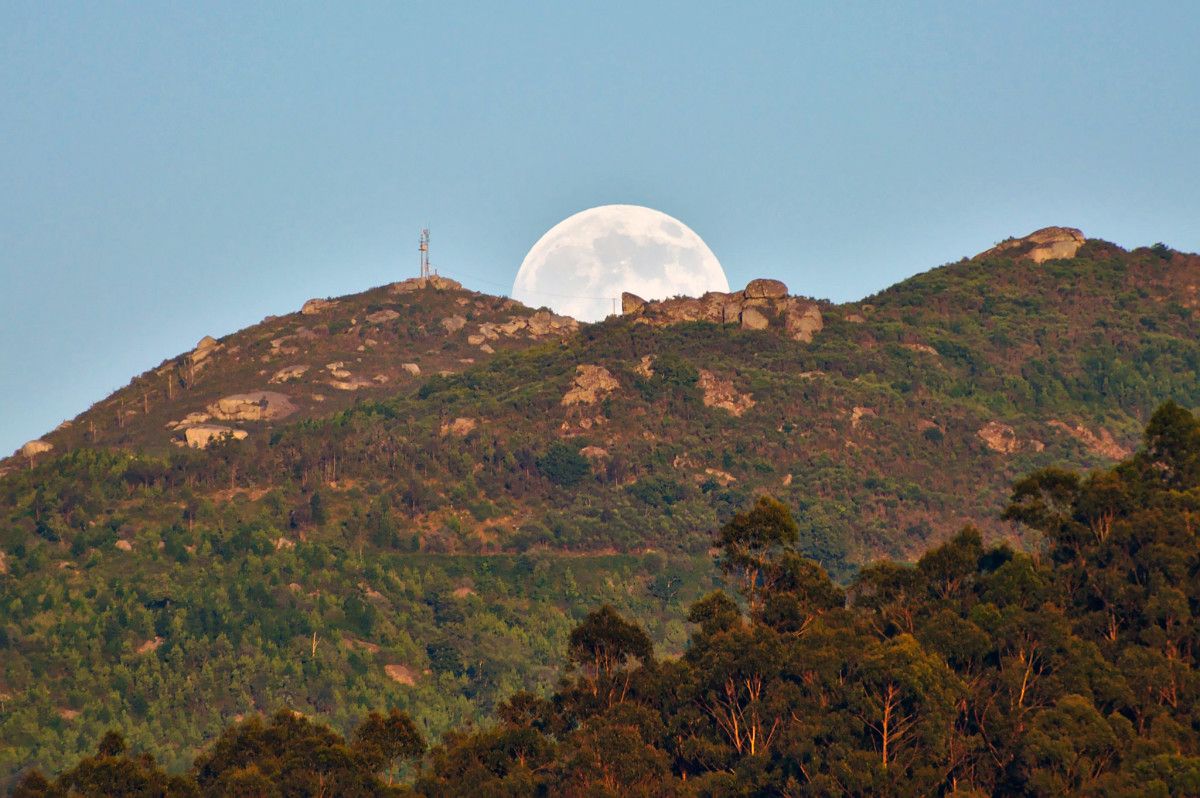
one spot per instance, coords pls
(429, 540)
(307, 364)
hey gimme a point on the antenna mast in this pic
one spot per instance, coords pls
(423, 247)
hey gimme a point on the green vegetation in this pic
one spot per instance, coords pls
(372, 553)
(977, 671)
(563, 465)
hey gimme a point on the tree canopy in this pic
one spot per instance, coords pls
(977, 670)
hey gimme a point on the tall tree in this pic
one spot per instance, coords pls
(602, 646)
(751, 543)
(381, 740)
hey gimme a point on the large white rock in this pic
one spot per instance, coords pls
(255, 406)
(434, 281)
(289, 373)
(719, 392)
(204, 348)
(202, 435)
(591, 384)
(765, 288)
(802, 320)
(754, 320)
(190, 420)
(351, 384)
(1049, 243)
(34, 448)
(454, 323)
(382, 316)
(314, 306)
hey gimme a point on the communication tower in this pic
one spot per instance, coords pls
(423, 247)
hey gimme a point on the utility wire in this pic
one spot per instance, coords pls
(532, 291)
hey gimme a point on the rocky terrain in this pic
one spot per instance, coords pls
(1039, 246)
(410, 494)
(322, 359)
(1022, 352)
(335, 354)
(763, 304)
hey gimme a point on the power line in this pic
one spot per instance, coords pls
(423, 247)
(533, 291)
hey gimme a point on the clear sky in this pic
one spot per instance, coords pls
(171, 170)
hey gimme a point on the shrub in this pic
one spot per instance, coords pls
(563, 465)
(657, 491)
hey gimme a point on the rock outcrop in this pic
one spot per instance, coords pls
(1049, 243)
(1102, 443)
(459, 427)
(594, 454)
(202, 436)
(857, 414)
(540, 324)
(400, 674)
(434, 281)
(34, 448)
(720, 393)
(382, 316)
(256, 406)
(592, 383)
(722, 478)
(314, 306)
(999, 437)
(454, 323)
(289, 373)
(764, 304)
(765, 288)
(1002, 438)
(190, 420)
(204, 348)
(753, 319)
(150, 645)
(631, 303)
(802, 323)
(352, 384)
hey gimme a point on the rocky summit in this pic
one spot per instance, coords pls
(1049, 243)
(763, 304)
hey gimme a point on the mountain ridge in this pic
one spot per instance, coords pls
(940, 340)
(801, 315)
(271, 357)
(430, 542)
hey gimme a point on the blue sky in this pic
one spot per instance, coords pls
(173, 170)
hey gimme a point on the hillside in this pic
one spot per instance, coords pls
(978, 670)
(428, 539)
(309, 364)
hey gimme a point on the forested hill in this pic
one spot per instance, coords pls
(428, 539)
(995, 365)
(979, 671)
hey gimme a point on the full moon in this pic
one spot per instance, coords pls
(580, 267)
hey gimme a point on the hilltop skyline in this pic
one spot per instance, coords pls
(175, 174)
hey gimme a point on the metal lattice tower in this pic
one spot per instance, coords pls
(423, 247)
